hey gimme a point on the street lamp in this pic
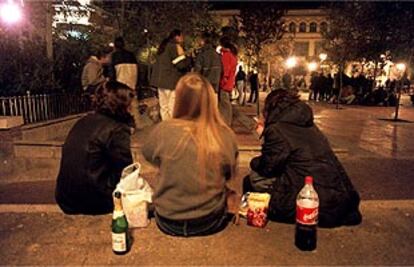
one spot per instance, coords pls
(401, 67)
(291, 62)
(10, 12)
(312, 66)
(323, 56)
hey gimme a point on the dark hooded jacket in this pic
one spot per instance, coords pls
(95, 152)
(294, 148)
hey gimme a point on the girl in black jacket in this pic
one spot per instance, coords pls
(293, 148)
(95, 153)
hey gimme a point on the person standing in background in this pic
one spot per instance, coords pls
(92, 73)
(124, 69)
(171, 64)
(208, 61)
(241, 85)
(254, 87)
(93, 76)
(227, 81)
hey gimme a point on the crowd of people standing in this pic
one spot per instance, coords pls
(357, 90)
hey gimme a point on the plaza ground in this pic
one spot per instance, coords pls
(377, 154)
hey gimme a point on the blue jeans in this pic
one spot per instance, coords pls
(206, 225)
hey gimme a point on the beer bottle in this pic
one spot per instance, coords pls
(121, 240)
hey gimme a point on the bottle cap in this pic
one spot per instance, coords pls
(308, 180)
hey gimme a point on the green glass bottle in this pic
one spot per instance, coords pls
(121, 240)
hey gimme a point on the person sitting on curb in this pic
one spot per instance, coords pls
(293, 148)
(196, 153)
(95, 152)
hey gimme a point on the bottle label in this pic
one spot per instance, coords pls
(307, 216)
(119, 242)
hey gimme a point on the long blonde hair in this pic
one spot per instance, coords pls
(196, 101)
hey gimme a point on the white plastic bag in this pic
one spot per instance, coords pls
(136, 194)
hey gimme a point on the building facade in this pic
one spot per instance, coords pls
(304, 27)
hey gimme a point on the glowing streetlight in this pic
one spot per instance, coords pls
(10, 12)
(312, 66)
(401, 67)
(323, 56)
(291, 62)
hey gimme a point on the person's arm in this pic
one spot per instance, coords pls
(275, 151)
(85, 76)
(178, 58)
(150, 149)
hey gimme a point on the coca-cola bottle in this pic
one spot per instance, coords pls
(307, 208)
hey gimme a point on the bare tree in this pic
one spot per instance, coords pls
(261, 23)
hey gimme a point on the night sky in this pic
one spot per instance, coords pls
(219, 5)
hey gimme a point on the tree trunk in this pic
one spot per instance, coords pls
(341, 70)
(122, 19)
(397, 106)
(49, 37)
(49, 33)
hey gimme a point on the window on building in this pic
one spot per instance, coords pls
(302, 27)
(312, 27)
(302, 49)
(292, 27)
(324, 27)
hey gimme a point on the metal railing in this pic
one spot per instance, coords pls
(36, 108)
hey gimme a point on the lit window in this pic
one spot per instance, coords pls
(292, 27)
(302, 27)
(312, 27)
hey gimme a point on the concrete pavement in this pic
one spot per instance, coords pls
(377, 155)
(49, 238)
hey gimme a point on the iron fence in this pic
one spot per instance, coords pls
(36, 108)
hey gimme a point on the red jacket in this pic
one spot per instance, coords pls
(228, 76)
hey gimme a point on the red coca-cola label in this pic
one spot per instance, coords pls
(308, 216)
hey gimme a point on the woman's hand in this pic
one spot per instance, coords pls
(259, 126)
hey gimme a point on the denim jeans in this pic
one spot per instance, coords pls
(256, 183)
(206, 225)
